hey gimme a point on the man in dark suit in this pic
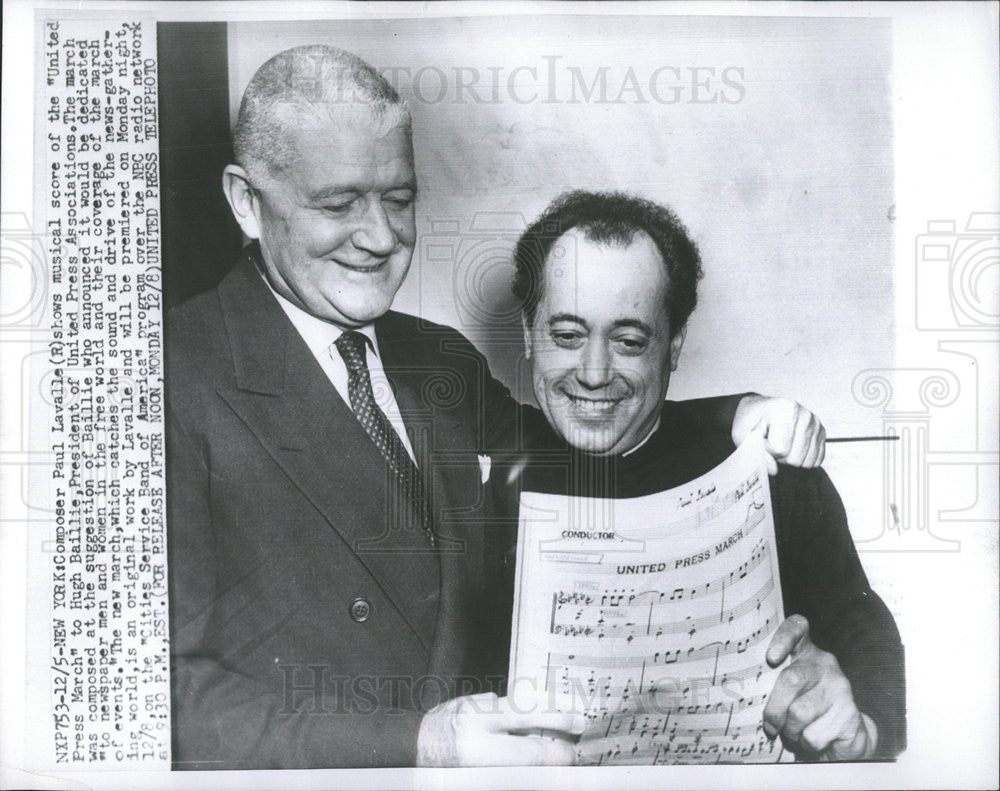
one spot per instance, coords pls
(603, 334)
(332, 564)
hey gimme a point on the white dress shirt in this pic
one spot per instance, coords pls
(320, 336)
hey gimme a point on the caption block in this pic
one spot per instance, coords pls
(109, 689)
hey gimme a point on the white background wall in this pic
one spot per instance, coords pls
(790, 193)
(785, 181)
(788, 190)
(946, 130)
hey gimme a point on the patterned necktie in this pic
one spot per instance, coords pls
(351, 346)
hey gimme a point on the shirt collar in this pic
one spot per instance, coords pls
(318, 334)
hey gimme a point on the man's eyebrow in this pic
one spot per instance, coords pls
(409, 184)
(639, 325)
(635, 323)
(557, 317)
(351, 189)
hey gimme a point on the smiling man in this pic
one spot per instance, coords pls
(607, 282)
(332, 551)
(601, 347)
(332, 206)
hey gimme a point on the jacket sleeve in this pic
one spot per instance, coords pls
(223, 719)
(822, 579)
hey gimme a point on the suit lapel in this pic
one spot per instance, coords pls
(283, 397)
(441, 436)
(443, 439)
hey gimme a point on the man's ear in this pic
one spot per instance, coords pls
(244, 201)
(675, 347)
(527, 336)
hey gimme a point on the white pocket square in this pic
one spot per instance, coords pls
(485, 464)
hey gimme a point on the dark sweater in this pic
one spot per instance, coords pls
(821, 574)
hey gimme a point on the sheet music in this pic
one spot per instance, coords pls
(653, 615)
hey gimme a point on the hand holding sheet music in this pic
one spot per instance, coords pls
(653, 615)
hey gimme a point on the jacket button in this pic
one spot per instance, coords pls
(360, 610)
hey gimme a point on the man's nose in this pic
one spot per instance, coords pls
(375, 236)
(595, 367)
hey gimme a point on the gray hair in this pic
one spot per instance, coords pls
(305, 87)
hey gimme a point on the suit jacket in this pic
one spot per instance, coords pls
(309, 624)
(281, 521)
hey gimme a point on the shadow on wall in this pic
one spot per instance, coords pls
(200, 236)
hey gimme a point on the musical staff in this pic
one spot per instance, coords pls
(661, 642)
(667, 656)
(607, 616)
(694, 751)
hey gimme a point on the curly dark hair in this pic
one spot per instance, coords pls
(610, 218)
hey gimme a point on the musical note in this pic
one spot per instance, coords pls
(628, 629)
(661, 641)
(660, 601)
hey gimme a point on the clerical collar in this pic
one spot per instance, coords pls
(652, 431)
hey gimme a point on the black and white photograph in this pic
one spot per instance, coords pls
(501, 395)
